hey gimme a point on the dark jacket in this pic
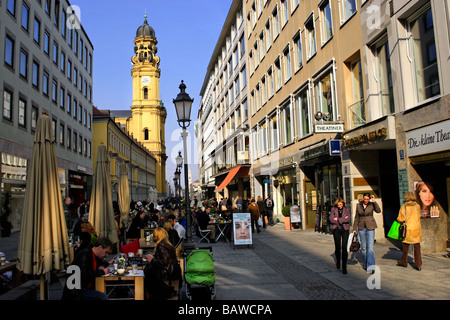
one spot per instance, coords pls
(203, 219)
(136, 225)
(85, 261)
(364, 217)
(343, 221)
(262, 207)
(156, 276)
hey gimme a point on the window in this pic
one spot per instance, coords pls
(25, 16)
(22, 113)
(69, 69)
(245, 110)
(278, 74)
(69, 139)
(384, 78)
(244, 77)
(54, 91)
(23, 64)
(326, 20)
(45, 83)
(287, 64)
(263, 90)
(11, 6)
(48, 6)
(348, 8)
(35, 76)
(55, 53)
(55, 136)
(271, 88)
(37, 31)
(264, 143)
(423, 47)
(34, 117)
(287, 124)
(276, 22)
(62, 131)
(274, 134)
(75, 108)
(46, 43)
(9, 52)
(63, 25)
(56, 14)
(69, 103)
(63, 62)
(304, 113)
(325, 95)
(358, 108)
(285, 10)
(62, 98)
(75, 141)
(242, 46)
(7, 104)
(310, 37)
(298, 51)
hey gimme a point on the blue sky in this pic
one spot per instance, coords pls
(187, 33)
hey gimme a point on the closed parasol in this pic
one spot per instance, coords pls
(44, 242)
(101, 211)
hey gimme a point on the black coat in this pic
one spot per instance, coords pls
(155, 276)
(85, 261)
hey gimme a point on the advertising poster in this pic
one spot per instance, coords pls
(242, 228)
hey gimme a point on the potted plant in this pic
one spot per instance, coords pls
(285, 211)
(5, 224)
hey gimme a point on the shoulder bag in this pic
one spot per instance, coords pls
(402, 229)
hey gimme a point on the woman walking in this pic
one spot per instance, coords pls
(340, 219)
(410, 214)
(365, 225)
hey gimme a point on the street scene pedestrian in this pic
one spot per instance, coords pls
(340, 223)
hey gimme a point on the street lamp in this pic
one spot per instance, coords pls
(183, 105)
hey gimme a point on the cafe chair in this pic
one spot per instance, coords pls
(204, 234)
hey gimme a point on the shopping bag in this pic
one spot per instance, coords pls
(350, 239)
(355, 246)
(260, 222)
(394, 232)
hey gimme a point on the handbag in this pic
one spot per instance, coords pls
(354, 247)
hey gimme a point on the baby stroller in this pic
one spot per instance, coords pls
(200, 275)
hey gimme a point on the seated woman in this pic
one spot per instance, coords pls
(161, 272)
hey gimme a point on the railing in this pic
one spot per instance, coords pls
(357, 114)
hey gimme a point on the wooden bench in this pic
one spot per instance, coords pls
(26, 291)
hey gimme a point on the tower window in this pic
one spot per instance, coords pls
(146, 134)
(145, 93)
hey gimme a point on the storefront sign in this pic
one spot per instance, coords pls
(295, 214)
(323, 128)
(430, 139)
(366, 138)
(331, 148)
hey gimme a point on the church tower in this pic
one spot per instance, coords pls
(148, 115)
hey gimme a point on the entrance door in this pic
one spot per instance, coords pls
(310, 204)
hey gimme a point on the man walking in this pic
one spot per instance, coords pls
(269, 208)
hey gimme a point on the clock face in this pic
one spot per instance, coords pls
(145, 81)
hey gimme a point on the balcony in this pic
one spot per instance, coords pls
(357, 114)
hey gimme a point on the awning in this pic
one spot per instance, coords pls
(228, 178)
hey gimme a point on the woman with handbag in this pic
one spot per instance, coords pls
(340, 219)
(365, 225)
(409, 214)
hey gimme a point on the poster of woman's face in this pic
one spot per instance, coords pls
(425, 197)
(242, 228)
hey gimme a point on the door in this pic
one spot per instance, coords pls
(310, 204)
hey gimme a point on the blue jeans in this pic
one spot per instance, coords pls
(366, 237)
(91, 294)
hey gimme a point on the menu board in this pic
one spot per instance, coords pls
(295, 214)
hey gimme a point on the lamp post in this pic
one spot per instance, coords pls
(183, 105)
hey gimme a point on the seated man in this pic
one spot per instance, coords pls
(92, 264)
(176, 226)
(204, 220)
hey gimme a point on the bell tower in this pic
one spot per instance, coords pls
(148, 115)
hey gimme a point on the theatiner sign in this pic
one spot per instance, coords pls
(366, 138)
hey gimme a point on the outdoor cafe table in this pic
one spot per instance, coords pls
(116, 280)
(221, 226)
(146, 245)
